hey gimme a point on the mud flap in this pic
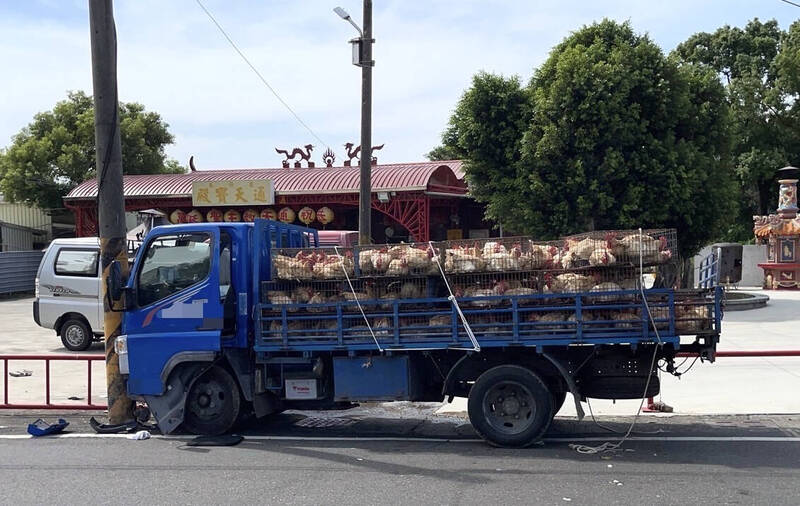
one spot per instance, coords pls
(573, 388)
(168, 408)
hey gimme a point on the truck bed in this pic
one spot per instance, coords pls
(537, 320)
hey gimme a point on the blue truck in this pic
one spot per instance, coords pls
(206, 340)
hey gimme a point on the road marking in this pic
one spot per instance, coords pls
(755, 439)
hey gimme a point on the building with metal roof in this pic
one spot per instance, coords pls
(410, 198)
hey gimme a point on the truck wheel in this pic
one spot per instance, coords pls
(76, 335)
(212, 404)
(510, 406)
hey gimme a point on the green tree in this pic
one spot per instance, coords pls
(486, 131)
(609, 133)
(758, 66)
(56, 151)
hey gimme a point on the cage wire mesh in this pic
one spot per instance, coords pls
(489, 277)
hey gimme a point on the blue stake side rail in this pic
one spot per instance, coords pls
(433, 323)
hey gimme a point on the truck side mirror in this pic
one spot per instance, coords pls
(115, 285)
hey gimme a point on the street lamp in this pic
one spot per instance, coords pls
(362, 57)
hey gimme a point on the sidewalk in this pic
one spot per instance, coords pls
(763, 385)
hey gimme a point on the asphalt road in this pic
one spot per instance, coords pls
(727, 460)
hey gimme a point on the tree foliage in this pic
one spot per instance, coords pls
(758, 65)
(609, 133)
(56, 151)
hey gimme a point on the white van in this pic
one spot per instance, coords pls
(68, 292)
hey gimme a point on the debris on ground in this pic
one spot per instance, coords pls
(21, 373)
(223, 440)
(140, 436)
(42, 428)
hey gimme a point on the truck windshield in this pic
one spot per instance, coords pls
(171, 264)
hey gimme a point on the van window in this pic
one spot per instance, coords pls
(77, 262)
(173, 263)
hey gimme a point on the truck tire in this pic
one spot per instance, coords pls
(76, 335)
(212, 404)
(510, 406)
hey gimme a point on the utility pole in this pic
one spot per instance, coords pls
(365, 192)
(111, 206)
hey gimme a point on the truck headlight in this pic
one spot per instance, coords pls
(121, 347)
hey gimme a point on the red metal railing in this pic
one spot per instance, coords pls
(47, 359)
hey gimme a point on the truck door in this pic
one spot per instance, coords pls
(177, 312)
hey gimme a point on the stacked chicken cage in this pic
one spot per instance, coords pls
(534, 285)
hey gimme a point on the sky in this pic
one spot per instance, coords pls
(172, 59)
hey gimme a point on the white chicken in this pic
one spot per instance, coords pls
(397, 267)
(607, 286)
(461, 261)
(571, 282)
(287, 267)
(601, 256)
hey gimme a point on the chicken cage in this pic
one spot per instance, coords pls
(396, 260)
(620, 247)
(307, 264)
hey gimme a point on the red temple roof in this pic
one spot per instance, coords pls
(440, 177)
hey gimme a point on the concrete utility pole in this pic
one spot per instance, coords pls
(111, 206)
(365, 193)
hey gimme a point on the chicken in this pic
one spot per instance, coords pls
(601, 256)
(365, 265)
(302, 294)
(382, 326)
(410, 291)
(565, 259)
(692, 318)
(387, 300)
(281, 299)
(418, 259)
(520, 291)
(652, 250)
(440, 320)
(380, 261)
(501, 261)
(333, 267)
(625, 319)
(397, 267)
(276, 327)
(539, 256)
(462, 261)
(473, 292)
(585, 248)
(553, 316)
(608, 286)
(292, 268)
(571, 283)
(317, 298)
(491, 247)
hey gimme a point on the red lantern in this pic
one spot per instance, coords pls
(250, 215)
(214, 215)
(306, 215)
(269, 214)
(324, 215)
(194, 216)
(232, 215)
(177, 216)
(286, 215)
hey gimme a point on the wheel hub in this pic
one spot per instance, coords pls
(511, 406)
(508, 407)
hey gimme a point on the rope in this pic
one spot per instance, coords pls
(614, 446)
(355, 297)
(452, 298)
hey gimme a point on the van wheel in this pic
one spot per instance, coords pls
(76, 335)
(212, 404)
(510, 406)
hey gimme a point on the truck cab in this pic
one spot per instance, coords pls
(187, 305)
